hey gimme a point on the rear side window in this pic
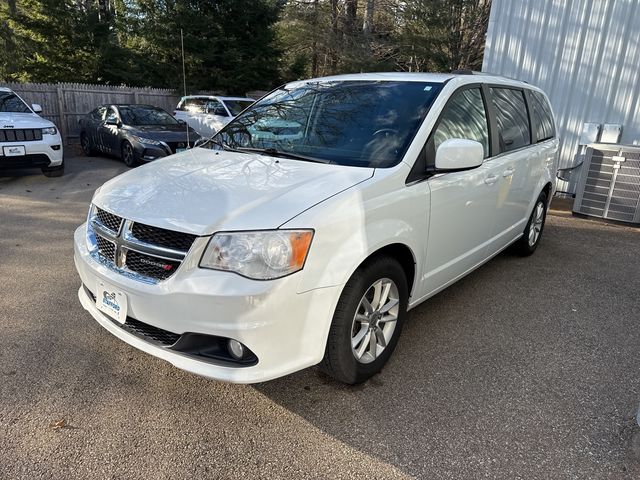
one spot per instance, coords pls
(542, 117)
(512, 118)
(464, 117)
(214, 107)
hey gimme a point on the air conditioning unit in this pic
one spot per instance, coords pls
(609, 185)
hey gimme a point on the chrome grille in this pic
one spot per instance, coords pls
(146, 253)
(109, 220)
(162, 237)
(106, 248)
(150, 266)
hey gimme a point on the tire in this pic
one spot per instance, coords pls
(351, 361)
(128, 155)
(532, 234)
(85, 143)
(57, 171)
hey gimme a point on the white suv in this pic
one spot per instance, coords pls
(259, 255)
(26, 139)
(207, 114)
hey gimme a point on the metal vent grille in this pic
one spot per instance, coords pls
(610, 183)
(151, 333)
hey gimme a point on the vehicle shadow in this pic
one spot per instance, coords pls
(501, 374)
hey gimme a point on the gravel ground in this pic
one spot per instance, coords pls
(527, 368)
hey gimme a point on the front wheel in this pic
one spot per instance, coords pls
(530, 239)
(85, 143)
(56, 171)
(367, 321)
(128, 155)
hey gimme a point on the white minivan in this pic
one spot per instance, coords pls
(260, 254)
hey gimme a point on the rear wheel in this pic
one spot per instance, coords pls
(367, 321)
(128, 155)
(530, 239)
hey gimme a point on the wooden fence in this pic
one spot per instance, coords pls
(65, 103)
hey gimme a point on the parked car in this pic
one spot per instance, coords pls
(254, 256)
(26, 139)
(208, 114)
(135, 133)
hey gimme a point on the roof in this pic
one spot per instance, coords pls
(220, 97)
(470, 77)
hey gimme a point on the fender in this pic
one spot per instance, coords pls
(353, 225)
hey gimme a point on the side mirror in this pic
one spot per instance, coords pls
(181, 122)
(459, 154)
(36, 108)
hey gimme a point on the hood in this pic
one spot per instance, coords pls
(202, 191)
(23, 120)
(164, 133)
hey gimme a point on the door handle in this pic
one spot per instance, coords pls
(508, 172)
(491, 179)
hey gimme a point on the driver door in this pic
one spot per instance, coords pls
(108, 132)
(463, 204)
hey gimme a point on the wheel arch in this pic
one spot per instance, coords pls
(400, 252)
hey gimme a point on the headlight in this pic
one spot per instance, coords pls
(148, 141)
(92, 244)
(261, 255)
(49, 131)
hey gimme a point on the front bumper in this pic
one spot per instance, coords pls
(285, 330)
(37, 153)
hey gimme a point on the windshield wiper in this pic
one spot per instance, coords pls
(223, 145)
(272, 152)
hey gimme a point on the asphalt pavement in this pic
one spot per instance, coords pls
(527, 368)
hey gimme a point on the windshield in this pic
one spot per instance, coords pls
(359, 123)
(143, 115)
(236, 106)
(10, 102)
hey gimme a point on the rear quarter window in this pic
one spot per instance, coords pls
(512, 118)
(542, 116)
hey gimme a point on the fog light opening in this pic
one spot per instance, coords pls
(236, 349)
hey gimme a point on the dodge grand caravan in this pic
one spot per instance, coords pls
(304, 231)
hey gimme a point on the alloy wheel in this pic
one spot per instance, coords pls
(536, 224)
(86, 147)
(127, 154)
(375, 320)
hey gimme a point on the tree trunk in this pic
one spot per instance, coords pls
(314, 44)
(334, 41)
(367, 26)
(351, 13)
